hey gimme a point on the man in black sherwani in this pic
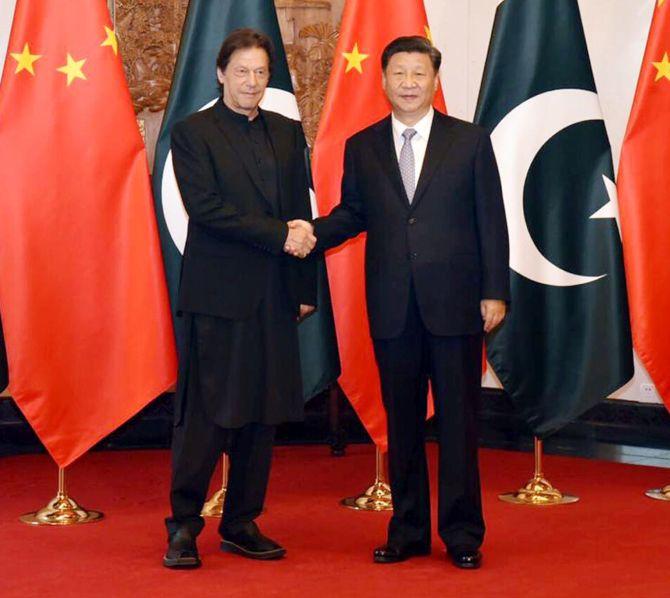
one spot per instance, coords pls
(242, 176)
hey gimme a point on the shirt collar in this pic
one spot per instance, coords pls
(422, 127)
(242, 119)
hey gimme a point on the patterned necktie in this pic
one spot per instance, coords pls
(406, 164)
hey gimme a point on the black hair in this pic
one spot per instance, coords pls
(242, 39)
(413, 43)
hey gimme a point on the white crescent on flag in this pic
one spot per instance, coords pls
(536, 121)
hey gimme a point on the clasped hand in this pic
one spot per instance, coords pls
(300, 239)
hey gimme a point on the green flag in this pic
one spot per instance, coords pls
(566, 342)
(195, 87)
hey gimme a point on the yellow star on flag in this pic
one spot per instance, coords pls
(663, 68)
(660, 3)
(429, 35)
(25, 60)
(73, 69)
(111, 40)
(354, 59)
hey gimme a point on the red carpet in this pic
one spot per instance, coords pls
(614, 542)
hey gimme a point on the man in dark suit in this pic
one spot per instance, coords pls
(425, 188)
(241, 172)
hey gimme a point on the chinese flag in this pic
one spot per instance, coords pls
(82, 290)
(644, 203)
(354, 100)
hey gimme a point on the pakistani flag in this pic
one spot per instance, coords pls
(195, 87)
(566, 342)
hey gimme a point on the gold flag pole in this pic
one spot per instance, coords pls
(538, 491)
(659, 493)
(214, 506)
(61, 510)
(378, 496)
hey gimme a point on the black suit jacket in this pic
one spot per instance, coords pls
(233, 233)
(451, 242)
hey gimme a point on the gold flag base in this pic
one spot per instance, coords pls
(377, 497)
(538, 491)
(659, 493)
(61, 510)
(214, 506)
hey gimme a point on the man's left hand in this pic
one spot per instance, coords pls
(305, 310)
(493, 312)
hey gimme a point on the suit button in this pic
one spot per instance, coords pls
(412, 255)
(411, 221)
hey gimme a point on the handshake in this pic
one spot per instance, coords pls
(300, 239)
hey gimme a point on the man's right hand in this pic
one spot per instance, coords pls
(300, 239)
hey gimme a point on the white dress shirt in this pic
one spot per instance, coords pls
(419, 141)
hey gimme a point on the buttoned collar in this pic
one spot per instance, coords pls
(239, 118)
(422, 127)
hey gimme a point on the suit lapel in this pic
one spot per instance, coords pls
(439, 141)
(242, 153)
(388, 159)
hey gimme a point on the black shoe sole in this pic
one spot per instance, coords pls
(183, 563)
(388, 560)
(268, 555)
(467, 565)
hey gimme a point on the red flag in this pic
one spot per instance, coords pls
(644, 204)
(354, 100)
(82, 290)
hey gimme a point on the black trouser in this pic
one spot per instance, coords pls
(197, 444)
(453, 366)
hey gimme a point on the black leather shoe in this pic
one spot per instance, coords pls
(389, 553)
(182, 552)
(466, 559)
(249, 542)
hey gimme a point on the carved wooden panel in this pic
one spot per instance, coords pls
(309, 38)
(295, 14)
(310, 60)
(149, 33)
